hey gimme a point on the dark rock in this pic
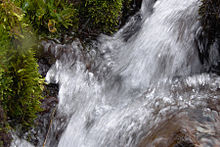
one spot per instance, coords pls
(209, 37)
(51, 90)
(45, 58)
(48, 103)
(44, 66)
(38, 134)
(184, 144)
(5, 135)
(130, 10)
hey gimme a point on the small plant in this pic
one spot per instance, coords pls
(20, 82)
(49, 16)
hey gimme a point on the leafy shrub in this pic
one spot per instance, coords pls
(52, 16)
(20, 82)
(49, 16)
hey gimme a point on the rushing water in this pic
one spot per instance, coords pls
(141, 87)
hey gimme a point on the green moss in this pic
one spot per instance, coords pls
(20, 82)
(49, 17)
(103, 15)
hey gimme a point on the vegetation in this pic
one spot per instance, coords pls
(20, 82)
(103, 15)
(49, 16)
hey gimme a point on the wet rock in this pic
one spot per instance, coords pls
(44, 66)
(45, 59)
(51, 90)
(48, 103)
(197, 127)
(184, 144)
(208, 37)
(38, 134)
(130, 10)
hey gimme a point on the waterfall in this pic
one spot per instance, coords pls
(144, 84)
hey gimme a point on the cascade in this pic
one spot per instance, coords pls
(143, 87)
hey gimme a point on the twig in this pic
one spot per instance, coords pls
(51, 121)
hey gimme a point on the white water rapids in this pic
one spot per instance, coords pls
(140, 91)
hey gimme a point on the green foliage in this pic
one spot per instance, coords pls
(210, 18)
(5, 82)
(23, 92)
(49, 16)
(9, 16)
(20, 82)
(103, 15)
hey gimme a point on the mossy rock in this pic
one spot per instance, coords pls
(20, 82)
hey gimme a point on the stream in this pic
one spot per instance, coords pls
(142, 87)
